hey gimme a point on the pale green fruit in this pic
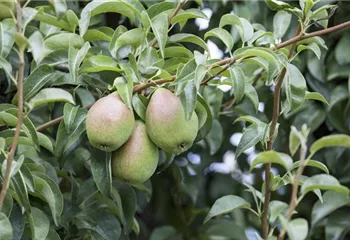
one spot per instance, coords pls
(201, 114)
(109, 123)
(166, 123)
(137, 159)
(6, 7)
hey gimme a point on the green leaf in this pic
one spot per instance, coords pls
(75, 58)
(7, 205)
(188, 99)
(315, 96)
(7, 33)
(19, 190)
(69, 114)
(244, 27)
(280, 5)
(49, 95)
(39, 223)
(249, 119)
(342, 50)
(188, 14)
(277, 208)
(295, 138)
(51, 21)
(251, 136)
(63, 41)
(297, 229)
(5, 227)
(272, 157)
(98, 64)
(45, 142)
(160, 30)
(49, 191)
(238, 82)
(281, 22)
(331, 202)
(323, 182)
(206, 128)
(190, 38)
(36, 42)
(66, 143)
(312, 163)
(221, 34)
(101, 170)
(224, 229)
(186, 74)
(199, 75)
(133, 38)
(17, 222)
(124, 86)
(6, 66)
(225, 205)
(312, 47)
(215, 137)
(160, 7)
(295, 87)
(97, 7)
(16, 165)
(139, 106)
(35, 82)
(99, 34)
(336, 140)
(128, 200)
(146, 61)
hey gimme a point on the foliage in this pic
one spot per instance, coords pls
(77, 52)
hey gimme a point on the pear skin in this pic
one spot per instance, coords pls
(109, 123)
(137, 159)
(166, 123)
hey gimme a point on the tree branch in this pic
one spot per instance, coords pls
(313, 34)
(177, 9)
(275, 116)
(295, 186)
(20, 78)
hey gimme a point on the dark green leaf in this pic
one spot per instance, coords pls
(39, 223)
(101, 170)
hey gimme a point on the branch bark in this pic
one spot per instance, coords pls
(295, 186)
(275, 116)
(20, 78)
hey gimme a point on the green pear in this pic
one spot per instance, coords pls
(109, 123)
(6, 8)
(137, 159)
(201, 114)
(166, 123)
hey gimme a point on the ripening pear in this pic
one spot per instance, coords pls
(109, 123)
(201, 114)
(137, 159)
(6, 8)
(166, 123)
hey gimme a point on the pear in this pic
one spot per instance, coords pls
(109, 123)
(166, 123)
(201, 114)
(6, 8)
(137, 159)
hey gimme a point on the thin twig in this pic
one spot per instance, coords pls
(313, 34)
(177, 9)
(218, 73)
(275, 116)
(11, 154)
(295, 186)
